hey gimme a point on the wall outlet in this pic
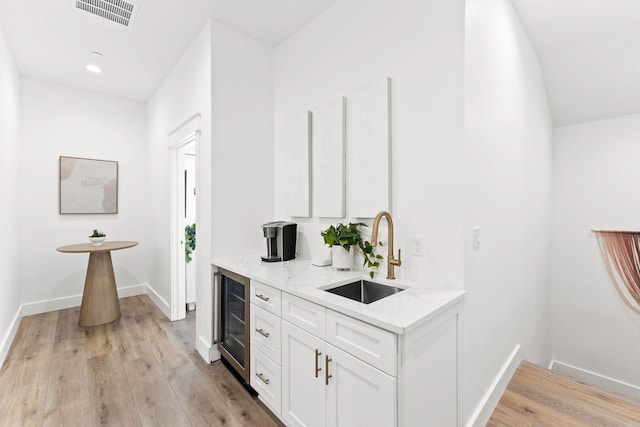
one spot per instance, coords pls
(417, 247)
(476, 239)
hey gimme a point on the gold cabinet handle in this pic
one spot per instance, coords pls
(318, 369)
(327, 359)
(262, 297)
(263, 333)
(262, 377)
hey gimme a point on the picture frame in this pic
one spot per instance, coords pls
(87, 186)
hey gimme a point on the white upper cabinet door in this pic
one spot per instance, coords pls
(299, 167)
(303, 382)
(369, 158)
(358, 394)
(328, 150)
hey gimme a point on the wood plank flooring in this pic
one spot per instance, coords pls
(140, 370)
(539, 397)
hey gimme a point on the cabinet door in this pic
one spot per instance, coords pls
(303, 387)
(358, 394)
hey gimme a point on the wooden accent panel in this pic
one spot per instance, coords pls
(539, 397)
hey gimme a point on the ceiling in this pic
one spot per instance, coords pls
(53, 41)
(589, 49)
(590, 55)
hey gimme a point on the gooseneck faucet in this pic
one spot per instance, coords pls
(391, 261)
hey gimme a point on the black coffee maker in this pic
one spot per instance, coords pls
(281, 240)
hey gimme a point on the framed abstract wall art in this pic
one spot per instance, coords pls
(88, 186)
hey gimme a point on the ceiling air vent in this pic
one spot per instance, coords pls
(119, 11)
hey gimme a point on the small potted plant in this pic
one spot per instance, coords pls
(343, 241)
(97, 238)
(189, 241)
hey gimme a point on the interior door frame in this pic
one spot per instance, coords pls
(178, 285)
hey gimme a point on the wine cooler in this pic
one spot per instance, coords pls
(233, 321)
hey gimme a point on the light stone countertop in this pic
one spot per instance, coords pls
(398, 313)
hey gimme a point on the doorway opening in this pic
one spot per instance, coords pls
(184, 225)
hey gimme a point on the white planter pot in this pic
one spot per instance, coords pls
(341, 258)
(97, 241)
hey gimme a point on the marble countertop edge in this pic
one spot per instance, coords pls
(399, 313)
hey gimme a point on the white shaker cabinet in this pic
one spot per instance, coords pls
(317, 366)
(303, 388)
(265, 337)
(324, 386)
(357, 393)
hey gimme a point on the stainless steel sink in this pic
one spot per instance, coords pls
(364, 291)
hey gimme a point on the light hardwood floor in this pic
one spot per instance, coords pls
(140, 370)
(539, 397)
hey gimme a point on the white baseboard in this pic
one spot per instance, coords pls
(7, 340)
(206, 350)
(160, 302)
(491, 398)
(598, 380)
(46, 306)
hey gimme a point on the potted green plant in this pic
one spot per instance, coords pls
(97, 237)
(189, 241)
(343, 241)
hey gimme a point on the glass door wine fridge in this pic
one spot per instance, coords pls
(233, 321)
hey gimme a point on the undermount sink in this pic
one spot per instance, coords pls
(364, 291)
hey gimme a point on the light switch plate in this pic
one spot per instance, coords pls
(476, 239)
(417, 247)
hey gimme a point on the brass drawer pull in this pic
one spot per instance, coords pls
(262, 377)
(327, 359)
(318, 369)
(263, 333)
(262, 297)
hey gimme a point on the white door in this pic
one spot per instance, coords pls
(303, 380)
(180, 152)
(358, 394)
(190, 217)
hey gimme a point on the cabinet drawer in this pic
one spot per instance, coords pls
(266, 333)
(373, 345)
(266, 296)
(266, 379)
(304, 314)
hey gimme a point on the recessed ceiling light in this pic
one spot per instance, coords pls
(94, 68)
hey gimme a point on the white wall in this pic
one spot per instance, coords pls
(185, 92)
(507, 194)
(58, 121)
(226, 77)
(596, 178)
(11, 241)
(419, 44)
(242, 166)
(242, 153)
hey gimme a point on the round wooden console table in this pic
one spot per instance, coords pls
(100, 303)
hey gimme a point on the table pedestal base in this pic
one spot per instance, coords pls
(100, 303)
